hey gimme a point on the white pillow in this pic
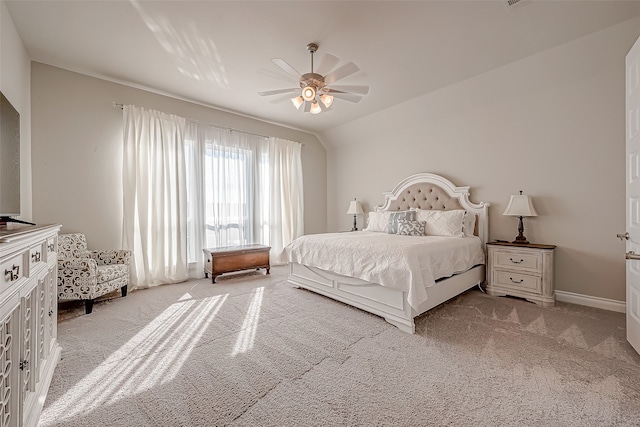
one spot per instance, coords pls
(378, 221)
(469, 224)
(442, 223)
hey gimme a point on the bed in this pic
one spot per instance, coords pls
(397, 277)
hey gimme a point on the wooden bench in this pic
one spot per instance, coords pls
(218, 261)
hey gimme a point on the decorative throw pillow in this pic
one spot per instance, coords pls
(469, 224)
(442, 223)
(392, 227)
(410, 228)
(378, 221)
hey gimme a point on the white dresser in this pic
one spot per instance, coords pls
(522, 270)
(29, 350)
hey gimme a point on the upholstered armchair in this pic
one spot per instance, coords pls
(87, 275)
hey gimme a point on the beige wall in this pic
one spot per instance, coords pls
(552, 125)
(77, 152)
(15, 74)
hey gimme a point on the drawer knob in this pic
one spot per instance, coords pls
(517, 282)
(516, 262)
(14, 273)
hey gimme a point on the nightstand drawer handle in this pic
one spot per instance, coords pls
(516, 262)
(516, 282)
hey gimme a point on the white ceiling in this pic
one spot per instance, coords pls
(219, 53)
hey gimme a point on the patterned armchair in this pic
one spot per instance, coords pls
(87, 275)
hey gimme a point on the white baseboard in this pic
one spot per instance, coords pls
(589, 301)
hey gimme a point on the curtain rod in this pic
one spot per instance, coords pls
(121, 106)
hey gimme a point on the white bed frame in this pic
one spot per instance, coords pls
(424, 191)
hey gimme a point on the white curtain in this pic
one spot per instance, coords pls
(190, 186)
(285, 208)
(196, 199)
(155, 196)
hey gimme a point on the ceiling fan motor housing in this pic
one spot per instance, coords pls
(315, 80)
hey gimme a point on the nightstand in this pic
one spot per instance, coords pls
(521, 270)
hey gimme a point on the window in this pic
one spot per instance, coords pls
(229, 177)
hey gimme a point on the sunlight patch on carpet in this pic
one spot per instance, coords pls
(153, 356)
(247, 334)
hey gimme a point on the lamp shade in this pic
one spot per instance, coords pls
(327, 100)
(355, 208)
(520, 205)
(315, 107)
(297, 102)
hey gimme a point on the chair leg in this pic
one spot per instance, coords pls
(88, 306)
(124, 290)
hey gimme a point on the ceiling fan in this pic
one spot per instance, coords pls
(316, 92)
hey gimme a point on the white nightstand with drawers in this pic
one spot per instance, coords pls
(521, 270)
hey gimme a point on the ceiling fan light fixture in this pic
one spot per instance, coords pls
(297, 102)
(327, 100)
(315, 108)
(308, 93)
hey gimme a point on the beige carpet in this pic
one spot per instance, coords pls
(253, 351)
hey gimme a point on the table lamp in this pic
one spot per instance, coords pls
(355, 209)
(520, 206)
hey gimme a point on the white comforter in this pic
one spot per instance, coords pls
(409, 263)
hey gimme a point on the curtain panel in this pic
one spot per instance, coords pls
(190, 186)
(155, 196)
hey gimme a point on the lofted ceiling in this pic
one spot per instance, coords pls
(219, 53)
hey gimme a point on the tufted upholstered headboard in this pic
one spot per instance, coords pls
(434, 192)
(426, 196)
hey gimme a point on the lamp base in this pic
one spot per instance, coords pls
(520, 237)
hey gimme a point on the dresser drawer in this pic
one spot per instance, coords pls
(518, 260)
(52, 244)
(514, 280)
(12, 269)
(37, 255)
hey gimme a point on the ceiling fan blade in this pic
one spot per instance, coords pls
(327, 64)
(274, 74)
(286, 67)
(341, 72)
(360, 89)
(277, 91)
(281, 99)
(346, 96)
